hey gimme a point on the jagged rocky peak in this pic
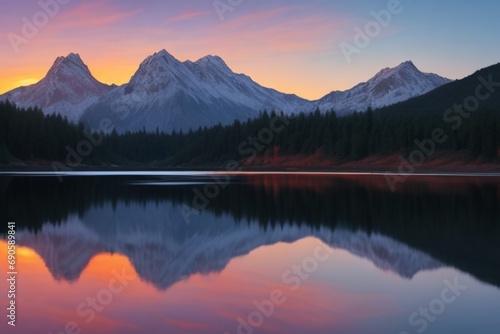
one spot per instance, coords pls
(72, 63)
(405, 68)
(408, 63)
(159, 59)
(214, 61)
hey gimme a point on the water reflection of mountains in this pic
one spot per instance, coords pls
(414, 229)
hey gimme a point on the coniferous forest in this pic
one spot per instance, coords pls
(29, 135)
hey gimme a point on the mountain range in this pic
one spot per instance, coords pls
(168, 94)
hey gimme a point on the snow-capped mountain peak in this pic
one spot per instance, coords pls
(405, 67)
(71, 59)
(68, 89)
(387, 87)
(159, 59)
(214, 62)
(157, 72)
(72, 71)
(409, 63)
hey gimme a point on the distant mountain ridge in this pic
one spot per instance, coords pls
(168, 94)
(389, 86)
(485, 81)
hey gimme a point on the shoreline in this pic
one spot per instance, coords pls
(208, 172)
(376, 165)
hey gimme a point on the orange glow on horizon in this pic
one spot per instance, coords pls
(119, 71)
(277, 62)
(293, 48)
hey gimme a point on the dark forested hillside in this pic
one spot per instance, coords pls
(29, 135)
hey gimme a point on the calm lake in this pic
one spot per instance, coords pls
(252, 253)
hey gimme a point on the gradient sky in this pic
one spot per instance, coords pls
(292, 46)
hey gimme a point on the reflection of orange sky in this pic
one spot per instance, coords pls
(208, 303)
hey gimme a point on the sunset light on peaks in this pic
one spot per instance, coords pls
(295, 47)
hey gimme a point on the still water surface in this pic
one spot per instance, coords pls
(256, 253)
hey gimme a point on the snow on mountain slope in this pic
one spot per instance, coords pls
(174, 95)
(389, 86)
(224, 83)
(68, 89)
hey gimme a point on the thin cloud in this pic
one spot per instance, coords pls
(186, 16)
(95, 15)
(256, 18)
(282, 30)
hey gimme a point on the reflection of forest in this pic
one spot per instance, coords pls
(455, 220)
